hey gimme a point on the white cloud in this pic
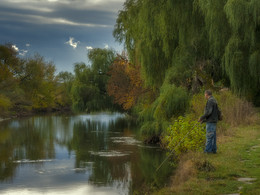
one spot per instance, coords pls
(23, 52)
(106, 46)
(89, 47)
(36, 19)
(47, 5)
(72, 43)
(15, 48)
(40, 6)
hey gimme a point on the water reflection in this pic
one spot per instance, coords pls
(98, 153)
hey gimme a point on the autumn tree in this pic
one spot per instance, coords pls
(125, 84)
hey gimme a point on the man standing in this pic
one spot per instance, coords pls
(211, 118)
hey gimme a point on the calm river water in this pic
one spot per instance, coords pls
(84, 154)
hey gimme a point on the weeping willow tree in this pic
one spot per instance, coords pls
(242, 54)
(178, 36)
(159, 35)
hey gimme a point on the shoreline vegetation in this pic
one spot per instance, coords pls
(237, 158)
(16, 114)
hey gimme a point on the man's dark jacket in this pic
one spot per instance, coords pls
(211, 111)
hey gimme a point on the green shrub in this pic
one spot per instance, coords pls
(154, 128)
(184, 135)
(150, 129)
(5, 103)
(155, 118)
(146, 112)
(173, 101)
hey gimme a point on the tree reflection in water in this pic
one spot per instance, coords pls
(101, 150)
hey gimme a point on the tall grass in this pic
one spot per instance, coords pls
(235, 111)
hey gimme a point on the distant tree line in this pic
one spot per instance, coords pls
(31, 84)
(26, 84)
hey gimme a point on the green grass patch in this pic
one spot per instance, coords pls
(238, 157)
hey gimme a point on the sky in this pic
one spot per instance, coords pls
(62, 31)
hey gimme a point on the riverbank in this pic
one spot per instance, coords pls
(235, 169)
(20, 113)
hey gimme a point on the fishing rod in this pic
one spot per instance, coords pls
(175, 148)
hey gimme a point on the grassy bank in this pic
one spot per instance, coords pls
(227, 172)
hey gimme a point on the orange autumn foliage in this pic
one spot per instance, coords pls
(125, 83)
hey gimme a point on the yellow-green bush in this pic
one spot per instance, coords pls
(184, 135)
(5, 103)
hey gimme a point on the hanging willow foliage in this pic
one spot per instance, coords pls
(163, 34)
(241, 58)
(158, 34)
